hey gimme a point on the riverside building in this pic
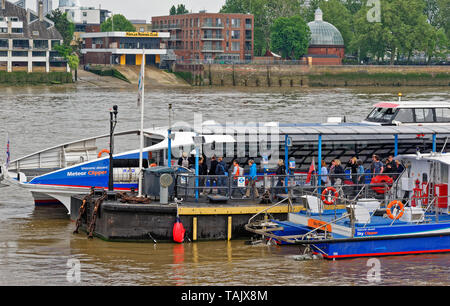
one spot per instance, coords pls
(123, 48)
(27, 40)
(208, 36)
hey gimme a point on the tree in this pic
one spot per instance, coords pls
(181, 9)
(173, 10)
(120, 24)
(264, 12)
(336, 13)
(290, 36)
(64, 26)
(68, 54)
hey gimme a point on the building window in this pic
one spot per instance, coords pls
(235, 34)
(20, 54)
(16, 30)
(21, 43)
(3, 30)
(4, 43)
(40, 44)
(39, 54)
(3, 53)
(235, 46)
(235, 23)
(84, 14)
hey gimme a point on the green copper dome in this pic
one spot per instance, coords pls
(324, 33)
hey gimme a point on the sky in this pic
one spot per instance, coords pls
(145, 9)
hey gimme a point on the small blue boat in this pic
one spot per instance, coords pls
(412, 218)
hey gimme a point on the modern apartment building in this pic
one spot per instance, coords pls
(123, 48)
(207, 36)
(27, 40)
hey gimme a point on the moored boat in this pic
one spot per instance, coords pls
(413, 217)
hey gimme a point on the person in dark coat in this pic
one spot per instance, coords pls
(280, 172)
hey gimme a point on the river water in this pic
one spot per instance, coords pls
(37, 246)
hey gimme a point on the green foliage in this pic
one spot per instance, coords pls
(99, 70)
(265, 13)
(406, 28)
(173, 10)
(64, 26)
(120, 24)
(22, 78)
(181, 9)
(290, 36)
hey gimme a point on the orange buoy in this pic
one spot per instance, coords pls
(178, 231)
(101, 152)
(325, 193)
(389, 212)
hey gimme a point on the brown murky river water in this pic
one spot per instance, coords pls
(36, 245)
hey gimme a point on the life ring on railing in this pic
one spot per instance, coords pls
(101, 152)
(390, 214)
(325, 193)
(379, 180)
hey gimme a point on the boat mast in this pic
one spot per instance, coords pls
(141, 134)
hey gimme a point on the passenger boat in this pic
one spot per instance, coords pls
(413, 217)
(53, 175)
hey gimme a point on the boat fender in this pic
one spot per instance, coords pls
(395, 203)
(101, 152)
(325, 194)
(178, 231)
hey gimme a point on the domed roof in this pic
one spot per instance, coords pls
(324, 33)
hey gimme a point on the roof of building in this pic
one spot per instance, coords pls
(324, 33)
(31, 24)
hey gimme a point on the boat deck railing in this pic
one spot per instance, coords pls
(296, 185)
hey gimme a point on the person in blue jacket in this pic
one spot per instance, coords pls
(252, 180)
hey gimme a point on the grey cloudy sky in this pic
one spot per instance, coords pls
(145, 9)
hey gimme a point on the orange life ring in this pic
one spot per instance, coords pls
(101, 152)
(325, 193)
(402, 209)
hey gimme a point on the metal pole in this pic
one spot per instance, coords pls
(434, 143)
(169, 147)
(396, 144)
(111, 139)
(196, 172)
(112, 126)
(141, 147)
(286, 161)
(319, 160)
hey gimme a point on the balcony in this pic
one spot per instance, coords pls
(212, 37)
(210, 25)
(211, 49)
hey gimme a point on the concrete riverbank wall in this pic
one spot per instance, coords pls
(257, 75)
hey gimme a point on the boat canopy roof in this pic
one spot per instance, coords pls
(331, 129)
(440, 157)
(414, 104)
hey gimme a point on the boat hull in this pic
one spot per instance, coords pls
(383, 246)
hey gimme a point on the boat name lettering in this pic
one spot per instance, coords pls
(97, 173)
(76, 173)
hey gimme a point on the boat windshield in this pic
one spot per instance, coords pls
(381, 114)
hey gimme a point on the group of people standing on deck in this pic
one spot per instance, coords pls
(219, 170)
(335, 173)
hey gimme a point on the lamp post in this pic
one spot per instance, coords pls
(112, 126)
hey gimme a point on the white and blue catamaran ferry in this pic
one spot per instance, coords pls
(55, 174)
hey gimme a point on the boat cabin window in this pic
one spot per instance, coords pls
(442, 114)
(405, 115)
(381, 114)
(424, 115)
